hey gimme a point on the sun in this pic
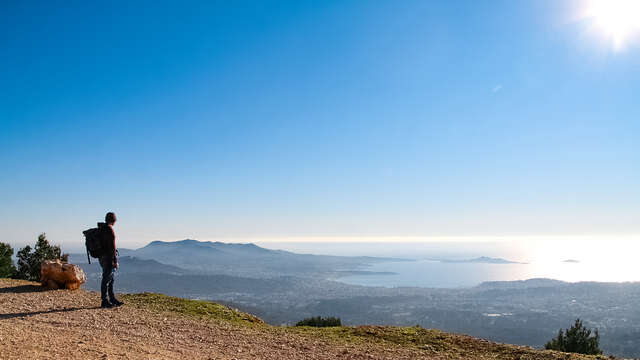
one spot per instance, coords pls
(617, 19)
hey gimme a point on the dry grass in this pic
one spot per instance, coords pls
(193, 308)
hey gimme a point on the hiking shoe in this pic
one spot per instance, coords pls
(116, 302)
(106, 305)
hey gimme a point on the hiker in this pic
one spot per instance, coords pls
(109, 262)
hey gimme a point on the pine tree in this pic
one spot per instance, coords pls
(319, 321)
(6, 263)
(577, 339)
(29, 263)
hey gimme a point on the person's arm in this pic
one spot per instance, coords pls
(115, 259)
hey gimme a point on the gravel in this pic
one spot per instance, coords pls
(36, 324)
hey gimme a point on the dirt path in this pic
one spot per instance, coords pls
(59, 324)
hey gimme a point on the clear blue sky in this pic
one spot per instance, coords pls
(275, 119)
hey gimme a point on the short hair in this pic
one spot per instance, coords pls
(110, 218)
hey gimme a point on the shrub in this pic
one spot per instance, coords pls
(29, 262)
(319, 321)
(6, 263)
(577, 339)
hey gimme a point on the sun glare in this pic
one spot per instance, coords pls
(618, 19)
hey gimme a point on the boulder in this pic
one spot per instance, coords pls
(55, 274)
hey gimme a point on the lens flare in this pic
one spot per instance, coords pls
(617, 19)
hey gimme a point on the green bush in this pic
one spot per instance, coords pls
(319, 321)
(29, 262)
(577, 339)
(6, 264)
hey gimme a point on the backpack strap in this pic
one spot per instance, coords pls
(88, 258)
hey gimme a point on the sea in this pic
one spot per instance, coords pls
(446, 264)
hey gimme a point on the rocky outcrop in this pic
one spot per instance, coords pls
(55, 274)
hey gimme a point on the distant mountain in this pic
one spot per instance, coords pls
(571, 261)
(129, 265)
(133, 264)
(191, 247)
(483, 260)
(249, 260)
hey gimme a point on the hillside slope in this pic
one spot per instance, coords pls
(62, 324)
(245, 260)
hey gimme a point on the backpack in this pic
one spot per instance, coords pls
(94, 241)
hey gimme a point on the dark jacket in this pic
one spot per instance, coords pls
(108, 238)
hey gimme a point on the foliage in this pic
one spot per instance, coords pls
(577, 339)
(6, 264)
(29, 262)
(319, 321)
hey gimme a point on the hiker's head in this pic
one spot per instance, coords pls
(110, 218)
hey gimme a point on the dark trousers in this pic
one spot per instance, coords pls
(106, 287)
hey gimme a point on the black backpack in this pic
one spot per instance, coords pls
(95, 243)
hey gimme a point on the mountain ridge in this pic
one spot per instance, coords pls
(247, 259)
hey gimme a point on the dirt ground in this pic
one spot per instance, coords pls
(63, 324)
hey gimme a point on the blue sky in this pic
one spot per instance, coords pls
(280, 119)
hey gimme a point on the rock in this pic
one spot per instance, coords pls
(57, 275)
(51, 285)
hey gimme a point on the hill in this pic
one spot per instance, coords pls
(247, 260)
(136, 265)
(62, 324)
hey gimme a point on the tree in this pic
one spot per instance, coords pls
(577, 339)
(29, 262)
(6, 263)
(319, 321)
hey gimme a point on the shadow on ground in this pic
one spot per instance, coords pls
(32, 313)
(22, 289)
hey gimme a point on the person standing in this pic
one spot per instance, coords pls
(108, 262)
